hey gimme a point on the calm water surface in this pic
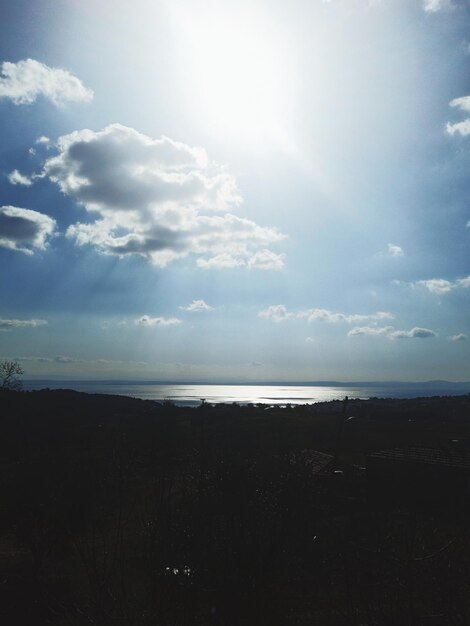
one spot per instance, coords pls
(191, 395)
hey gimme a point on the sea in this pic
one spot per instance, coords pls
(270, 394)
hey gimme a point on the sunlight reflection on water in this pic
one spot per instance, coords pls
(191, 395)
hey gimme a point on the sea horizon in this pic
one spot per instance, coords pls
(270, 393)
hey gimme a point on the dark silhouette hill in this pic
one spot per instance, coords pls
(123, 511)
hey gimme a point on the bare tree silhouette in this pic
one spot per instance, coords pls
(9, 372)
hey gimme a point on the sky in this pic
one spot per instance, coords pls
(235, 191)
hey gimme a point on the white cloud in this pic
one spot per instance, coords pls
(41, 141)
(395, 250)
(329, 316)
(390, 333)
(24, 81)
(197, 305)
(414, 333)
(279, 313)
(145, 320)
(17, 178)
(11, 324)
(24, 230)
(440, 285)
(375, 331)
(159, 199)
(463, 128)
(459, 337)
(266, 260)
(433, 6)
(436, 285)
(461, 103)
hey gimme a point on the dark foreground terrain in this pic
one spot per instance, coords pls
(115, 511)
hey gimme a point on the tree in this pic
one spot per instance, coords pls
(9, 372)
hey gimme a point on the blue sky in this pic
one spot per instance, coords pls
(245, 191)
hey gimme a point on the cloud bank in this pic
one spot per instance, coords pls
(159, 199)
(24, 230)
(24, 81)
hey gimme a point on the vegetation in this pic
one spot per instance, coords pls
(120, 511)
(9, 372)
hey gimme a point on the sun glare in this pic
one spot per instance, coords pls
(237, 64)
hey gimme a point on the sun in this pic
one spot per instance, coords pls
(237, 68)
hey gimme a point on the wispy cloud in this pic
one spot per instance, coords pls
(391, 333)
(279, 313)
(61, 358)
(329, 316)
(434, 6)
(17, 178)
(395, 250)
(7, 325)
(441, 286)
(461, 128)
(266, 260)
(24, 81)
(24, 230)
(220, 261)
(462, 103)
(71, 360)
(414, 333)
(146, 320)
(196, 306)
(459, 337)
(374, 331)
